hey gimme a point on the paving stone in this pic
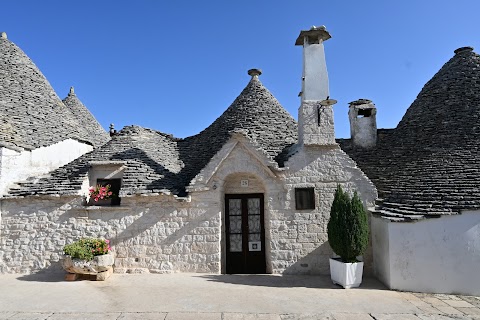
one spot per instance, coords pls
(442, 317)
(470, 311)
(450, 310)
(143, 316)
(250, 316)
(394, 316)
(409, 296)
(435, 302)
(423, 306)
(6, 315)
(475, 301)
(459, 303)
(84, 316)
(352, 316)
(441, 296)
(193, 316)
(316, 316)
(31, 316)
(454, 297)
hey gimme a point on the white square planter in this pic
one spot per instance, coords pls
(348, 275)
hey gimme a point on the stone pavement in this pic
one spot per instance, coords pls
(219, 297)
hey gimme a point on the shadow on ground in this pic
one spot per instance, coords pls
(43, 277)
(290, 281)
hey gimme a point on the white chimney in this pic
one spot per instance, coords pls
(315, 115)
(362, 114)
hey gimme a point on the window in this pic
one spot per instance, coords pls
(304, 198)
(115, 185)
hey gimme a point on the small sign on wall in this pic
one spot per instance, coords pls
(244, 183)
(254, 246)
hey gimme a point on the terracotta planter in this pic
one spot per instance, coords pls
(348, 275)
(98, 264)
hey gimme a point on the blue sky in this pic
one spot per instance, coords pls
(175, 66)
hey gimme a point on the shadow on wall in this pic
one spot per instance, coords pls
(317, 262)
(314, 263)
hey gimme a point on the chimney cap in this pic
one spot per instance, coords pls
(360, 102)
(3, 35)
(314, 33)
(254, 72)
(463, 49)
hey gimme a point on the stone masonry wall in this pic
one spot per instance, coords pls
(160, 234)
(148, 233)
(296, 240)
(299, 237)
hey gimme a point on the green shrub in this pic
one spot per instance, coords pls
(87, 248)
(348, 226)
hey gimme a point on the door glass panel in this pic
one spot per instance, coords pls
(235, 207)
(254, 237)
(253, 206)
(253, 223)
(235, 243)
(235, 224)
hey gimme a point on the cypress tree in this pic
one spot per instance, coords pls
(348, 226)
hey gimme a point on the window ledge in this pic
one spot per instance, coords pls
(100, 208)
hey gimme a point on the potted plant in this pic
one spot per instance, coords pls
(100, 195)
(348, 237)
(88, 256)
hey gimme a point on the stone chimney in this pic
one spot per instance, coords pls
(363, 123)
(315, 115)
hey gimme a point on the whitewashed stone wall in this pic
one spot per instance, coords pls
(296, 240)
(433, 255)
(148, 233)
(299, 237)
(160, 234)
(19, 165)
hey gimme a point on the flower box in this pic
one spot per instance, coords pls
(88, 256)
(99, 264)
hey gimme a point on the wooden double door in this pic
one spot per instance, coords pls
(245, 233)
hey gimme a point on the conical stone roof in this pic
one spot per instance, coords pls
(156, 161)
(95, 131)
(429, 164)
(255, 111)
(446, 113)
(35, 115)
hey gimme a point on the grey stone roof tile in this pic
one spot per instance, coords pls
(157, 162)
(429, 164)
(29, 107)
(97, 134)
